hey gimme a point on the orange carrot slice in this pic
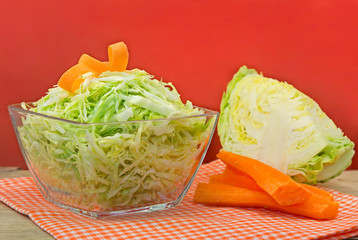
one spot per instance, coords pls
(67, 79)
(93, 63)
(319, 192)
(76, 84)
(235, 178)
(118, 59)
(278, 185)
(118, 56)
(226, 195)
(231, 170)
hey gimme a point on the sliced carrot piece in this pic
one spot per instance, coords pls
(76, 84)
(67, 79)
(235, 178)
(226, 195)
(118, 56)
(278, 185)
(319, 192)
(230, 171)
(93, 63)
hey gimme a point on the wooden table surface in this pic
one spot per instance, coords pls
(14, 225)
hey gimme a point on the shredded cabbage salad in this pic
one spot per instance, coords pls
(105, 156)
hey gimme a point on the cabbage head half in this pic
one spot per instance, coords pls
(275, 123)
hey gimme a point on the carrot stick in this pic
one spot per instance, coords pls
(118, 56)
(239, 179)
(231, 170)
(67, 79)
(93, 63)
(319, 192)
(278, 185)
(226, 195)
(235, 180)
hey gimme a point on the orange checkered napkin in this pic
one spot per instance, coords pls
(187, 221)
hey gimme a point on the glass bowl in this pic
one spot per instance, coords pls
(116, 168)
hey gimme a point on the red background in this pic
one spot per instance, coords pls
(198, 45)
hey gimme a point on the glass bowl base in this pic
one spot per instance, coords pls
(119, 212)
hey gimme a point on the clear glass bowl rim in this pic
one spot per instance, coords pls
(17, 107)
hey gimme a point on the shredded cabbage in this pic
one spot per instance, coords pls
(130, 163)
(275, 123)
